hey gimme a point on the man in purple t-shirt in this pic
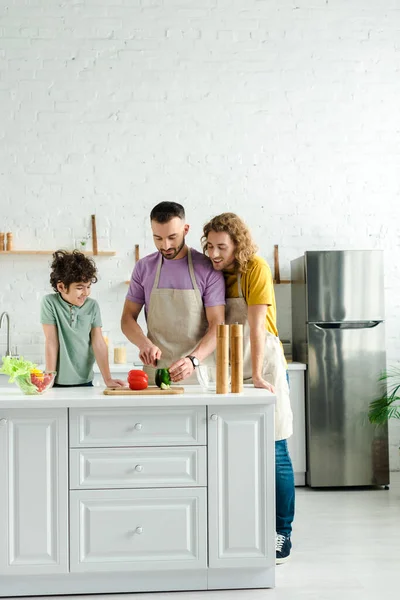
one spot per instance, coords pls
(184, 298)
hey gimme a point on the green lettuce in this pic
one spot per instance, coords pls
(25, 384)
(16, 367)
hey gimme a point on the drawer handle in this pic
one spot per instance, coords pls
(139, 530)
(138, 426)
(3, 422)
(138, 468)
(214, 417)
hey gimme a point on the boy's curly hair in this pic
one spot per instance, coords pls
(239, 233)
(71, 267)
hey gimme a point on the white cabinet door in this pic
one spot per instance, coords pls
(297, 442)
(138, 530)
(241, 486)
(33, 492)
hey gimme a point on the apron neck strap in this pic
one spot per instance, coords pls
(239, 283)
(191, 270)
(157, 277)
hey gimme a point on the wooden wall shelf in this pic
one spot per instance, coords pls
(137, 257)
(86, 252)
(277, 275)
(93, 252)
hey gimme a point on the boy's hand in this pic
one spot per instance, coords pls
(115, 383)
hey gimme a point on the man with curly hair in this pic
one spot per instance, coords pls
(250, 300)
(72, 323)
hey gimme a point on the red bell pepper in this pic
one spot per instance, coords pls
(138, 379)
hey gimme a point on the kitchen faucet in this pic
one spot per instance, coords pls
(6, 316)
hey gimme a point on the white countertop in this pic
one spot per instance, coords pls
(296, 366)
(12, 397)
(292, 366)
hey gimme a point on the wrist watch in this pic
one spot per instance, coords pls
(195, 361)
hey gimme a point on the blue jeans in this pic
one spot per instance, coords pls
(284, 487)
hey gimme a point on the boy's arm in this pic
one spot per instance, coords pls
(51, 346)
(101, 354)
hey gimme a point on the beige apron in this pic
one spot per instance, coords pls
(176, 322)
(274, 368)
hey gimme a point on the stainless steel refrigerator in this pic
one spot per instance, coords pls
(339, 332)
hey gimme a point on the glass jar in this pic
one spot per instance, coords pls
(120, 353)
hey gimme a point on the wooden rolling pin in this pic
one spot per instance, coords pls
(222, 383)
(236, 341)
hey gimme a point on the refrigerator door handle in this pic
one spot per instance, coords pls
(347, 325)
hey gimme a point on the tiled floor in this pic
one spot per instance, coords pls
(346, 547)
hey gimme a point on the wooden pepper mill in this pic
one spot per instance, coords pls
(9, 242)
(236, 341)
(222, 383)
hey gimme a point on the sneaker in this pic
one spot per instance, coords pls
(283, 546)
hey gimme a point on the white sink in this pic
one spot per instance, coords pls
(4, 381)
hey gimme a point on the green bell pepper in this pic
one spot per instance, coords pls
(163, 379)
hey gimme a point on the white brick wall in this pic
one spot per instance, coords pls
(285, 111)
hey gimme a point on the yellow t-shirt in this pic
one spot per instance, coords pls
(257, 288)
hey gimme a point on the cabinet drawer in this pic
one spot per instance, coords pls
(128, 530)
(137, 467)
(138, 427)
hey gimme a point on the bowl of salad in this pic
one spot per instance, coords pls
(37, 382)
(31, 380)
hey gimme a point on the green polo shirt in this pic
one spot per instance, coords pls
(74, 323)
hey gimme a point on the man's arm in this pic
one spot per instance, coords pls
(257, 314)
(51, 346)
(148, 352)
(183, 368)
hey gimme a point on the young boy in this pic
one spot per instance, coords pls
(72, 323)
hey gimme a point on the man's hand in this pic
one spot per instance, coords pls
(181, 369)
(149, 354)
(115, 383)
(261, 383)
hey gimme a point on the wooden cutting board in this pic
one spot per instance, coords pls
(152, 390)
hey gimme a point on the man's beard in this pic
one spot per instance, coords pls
(175, 254)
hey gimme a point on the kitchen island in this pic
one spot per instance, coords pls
(111, 494)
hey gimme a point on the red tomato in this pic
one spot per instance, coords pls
(35, 380)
